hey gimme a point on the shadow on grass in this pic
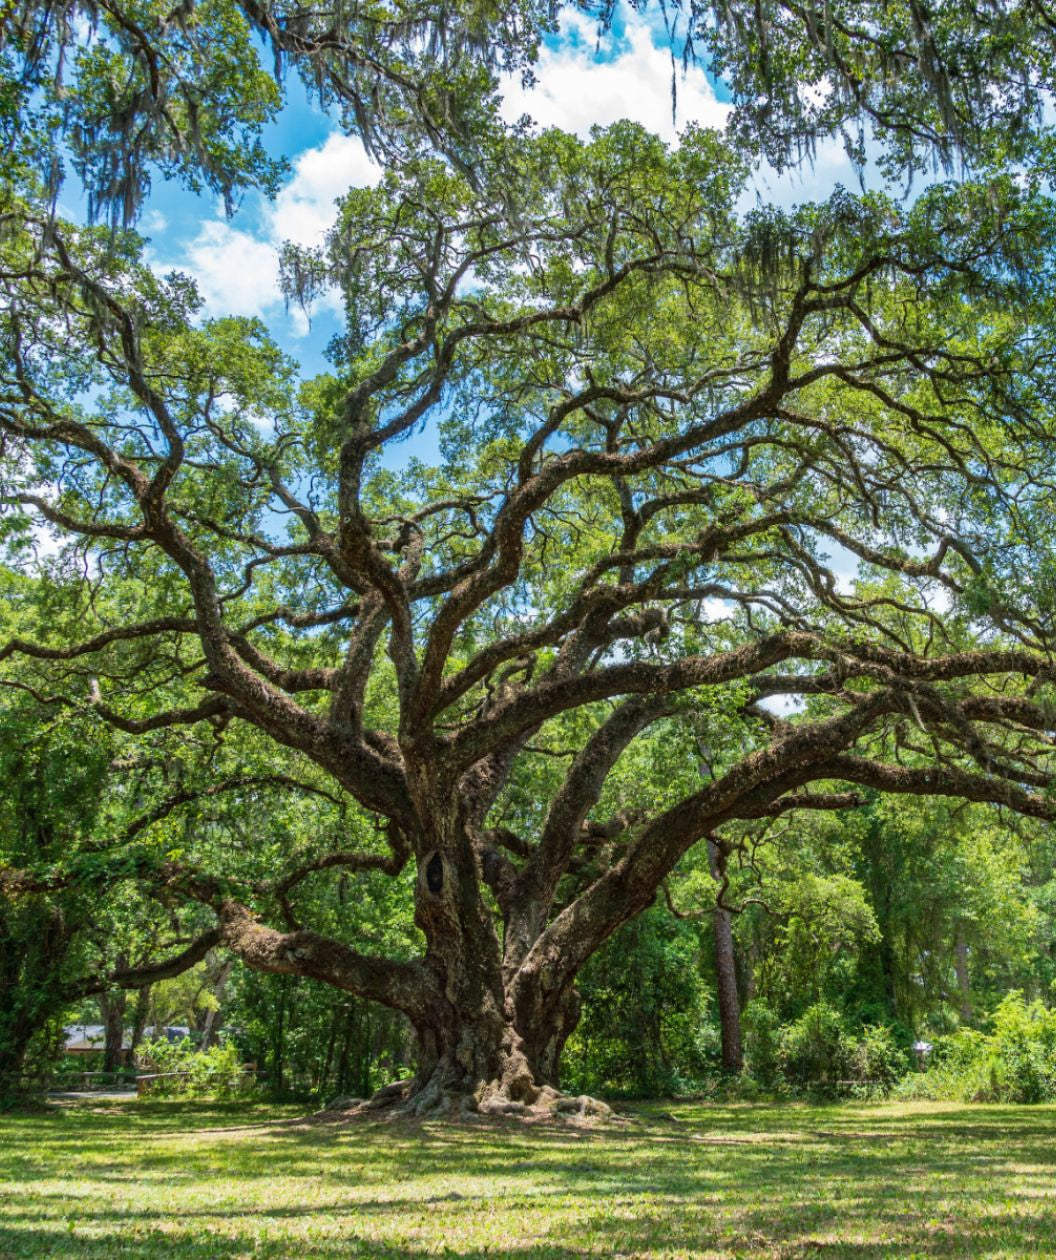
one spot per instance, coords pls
(781, 1181)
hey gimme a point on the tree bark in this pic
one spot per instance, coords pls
(726, 977)
(480, 1047)
(16, 1033)
(212, 1017)
(112, 1006)
(468, 1045)
(960, 965)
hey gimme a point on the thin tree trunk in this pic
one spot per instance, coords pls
(113, 1011)
(726, 975)
(140, 1015)
(960, 964)
(750, 959)
(212, 1018)
(278, 1053)
(342, 1062)
(324, 1075)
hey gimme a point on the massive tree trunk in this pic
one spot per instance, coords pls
(16, 1032)
(489, 1028)
(473, 1049)
(480, 1050)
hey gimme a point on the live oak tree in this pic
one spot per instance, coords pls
(553, 663)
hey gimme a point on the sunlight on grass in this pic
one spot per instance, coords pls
(178, 1180)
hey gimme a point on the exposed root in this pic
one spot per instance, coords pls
(547, 1104)
(437, 1100)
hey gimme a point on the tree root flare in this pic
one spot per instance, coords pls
(434, 1101)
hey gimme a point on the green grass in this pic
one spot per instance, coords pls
(174, 1180)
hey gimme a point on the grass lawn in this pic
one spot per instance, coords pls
(176, 1180)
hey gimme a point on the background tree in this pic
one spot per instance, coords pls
(647, 1027)
(71, 918)
(89, 822)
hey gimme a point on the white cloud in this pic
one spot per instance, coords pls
(154, 221)
(304, 210)
(238, 271)
(237, 274)
(576, 89)
(716, 609)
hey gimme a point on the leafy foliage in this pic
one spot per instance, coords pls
(185, 1071)
(646, 1026)
(1015, 1062)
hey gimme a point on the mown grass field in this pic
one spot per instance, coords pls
(176, 1180)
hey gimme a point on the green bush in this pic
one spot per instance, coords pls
(877, 1060)
(1021, 1055)
(761, 1030)
(815, 1051)
(1014, 1063)
(818, 1053)
(315, 1042)
(214, 1073)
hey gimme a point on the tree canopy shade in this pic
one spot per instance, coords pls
(549, 666)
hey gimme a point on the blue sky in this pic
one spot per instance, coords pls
(581, 80)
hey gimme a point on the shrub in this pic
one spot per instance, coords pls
(1021, 1054)
(877, 1059)
(214, 1073)
(1015, 1063)
(815, 1051)
(818, 1053)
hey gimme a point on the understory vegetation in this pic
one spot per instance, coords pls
(1013, 1063)
(889, 926)
(179, 1069)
